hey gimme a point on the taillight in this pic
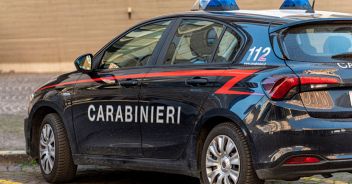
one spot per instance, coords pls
(284, 87)
(302, 160)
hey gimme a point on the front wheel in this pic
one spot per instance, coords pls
(55, 156)
(226, 157)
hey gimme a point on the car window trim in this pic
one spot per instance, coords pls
(161, 59)
(168, 39)
(99, 56)
(233, 27)
(166, 45)
(244, 42)
(218, 43)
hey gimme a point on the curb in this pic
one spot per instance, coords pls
(16, 161)
(4, 153)
(14, 157)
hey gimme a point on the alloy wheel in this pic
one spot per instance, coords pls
(47, 149)
(222, 161)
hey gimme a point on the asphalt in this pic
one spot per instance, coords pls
(29, 172)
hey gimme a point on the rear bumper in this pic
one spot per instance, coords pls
(293, 172)
(286, 130)
(332, 147)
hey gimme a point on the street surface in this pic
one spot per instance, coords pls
(15, 90)
(29, 172)
(23, 174)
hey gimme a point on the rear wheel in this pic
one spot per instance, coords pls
(55, 158)
(226, 157)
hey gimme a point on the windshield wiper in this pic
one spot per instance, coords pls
(344, 56)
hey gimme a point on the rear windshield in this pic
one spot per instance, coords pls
(318, 43)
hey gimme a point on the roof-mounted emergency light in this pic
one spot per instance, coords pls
(298, 5)
(216, 5)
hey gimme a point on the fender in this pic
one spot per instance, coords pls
(216, 113)
(64, 113)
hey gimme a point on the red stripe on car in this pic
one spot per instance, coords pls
(237, 75)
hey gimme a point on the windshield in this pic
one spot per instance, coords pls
(318, 43)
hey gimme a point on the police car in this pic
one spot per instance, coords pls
(226, 95)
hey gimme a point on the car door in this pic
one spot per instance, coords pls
(178, 85)
(106, 100)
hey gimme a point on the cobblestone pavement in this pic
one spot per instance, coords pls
(25, 174)
(15, 90)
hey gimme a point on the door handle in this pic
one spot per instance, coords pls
(197, 81)
(129, 83)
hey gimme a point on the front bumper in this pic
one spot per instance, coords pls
(286, 172)
(27, 136)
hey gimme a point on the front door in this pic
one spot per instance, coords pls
(106, 101)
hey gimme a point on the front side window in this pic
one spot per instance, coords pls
(318, 43)
(134, 49)
(193, 43)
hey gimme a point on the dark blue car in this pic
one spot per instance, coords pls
(230, 97)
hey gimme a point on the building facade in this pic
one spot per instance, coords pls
(47, 35)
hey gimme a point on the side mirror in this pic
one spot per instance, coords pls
(84, 63)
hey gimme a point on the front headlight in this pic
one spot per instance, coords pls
(31, 97)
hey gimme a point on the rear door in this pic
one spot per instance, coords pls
(176, 88)
(321, 55)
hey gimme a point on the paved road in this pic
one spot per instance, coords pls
(107, 177)
(118, 177)
(28, 172)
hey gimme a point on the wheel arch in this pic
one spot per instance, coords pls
(38, 113)
(209, 121)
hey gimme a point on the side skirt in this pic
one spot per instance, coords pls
(138, 164)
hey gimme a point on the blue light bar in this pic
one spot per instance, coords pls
(297, 5)
(218, 5)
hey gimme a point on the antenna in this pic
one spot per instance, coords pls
(195, 6)
(313, 7)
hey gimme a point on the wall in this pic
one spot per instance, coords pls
(47, 35)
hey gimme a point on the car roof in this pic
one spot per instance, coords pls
(278, 17)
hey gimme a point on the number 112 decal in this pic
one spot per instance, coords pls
(258, 54)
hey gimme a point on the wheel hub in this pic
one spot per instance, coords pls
(222, 161)
(226, 164)
(47, 149)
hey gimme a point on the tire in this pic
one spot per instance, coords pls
(55, 157)
(235, 157)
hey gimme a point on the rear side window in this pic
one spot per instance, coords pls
(318, 43)
(194, 43)
(228, 47)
